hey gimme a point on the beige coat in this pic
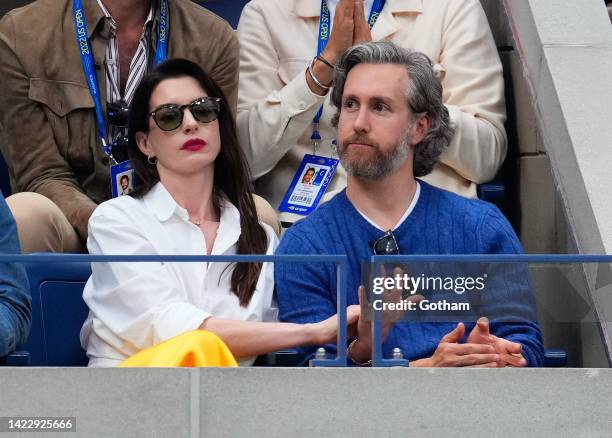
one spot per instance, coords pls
(278, 38)
(48, 130)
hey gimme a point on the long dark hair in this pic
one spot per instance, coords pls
(232, 174)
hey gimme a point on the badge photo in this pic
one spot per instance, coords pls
(309, 184)
(122, 179)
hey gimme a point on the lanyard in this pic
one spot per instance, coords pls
(88, 62)
(324, 34)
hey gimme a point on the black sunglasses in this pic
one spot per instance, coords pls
(170, 116)
(386, 245)
(118, 114)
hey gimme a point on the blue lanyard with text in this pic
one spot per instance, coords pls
(324, 34)
(82, 36)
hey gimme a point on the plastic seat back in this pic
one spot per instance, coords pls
(58, 312)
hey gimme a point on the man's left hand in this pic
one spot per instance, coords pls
(511, 353)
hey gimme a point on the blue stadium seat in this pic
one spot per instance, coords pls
(228, 9)
(58, 312)
(284, 358)
(555, 358)
(491, 192)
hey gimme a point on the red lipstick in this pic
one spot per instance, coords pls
(194, 145)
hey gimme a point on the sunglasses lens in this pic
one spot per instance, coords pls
(386, 245)
(168, 118)
(205, 110)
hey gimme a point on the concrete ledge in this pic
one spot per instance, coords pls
(268, 402)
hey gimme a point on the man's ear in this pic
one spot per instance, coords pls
(420, 128)
(142, 140)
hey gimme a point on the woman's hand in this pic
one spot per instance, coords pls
(326, 331)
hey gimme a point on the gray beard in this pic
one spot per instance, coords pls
(383, 164)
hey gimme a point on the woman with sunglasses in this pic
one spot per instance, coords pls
(193, 198)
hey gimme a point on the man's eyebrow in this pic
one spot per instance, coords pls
(384, 99)
(376, 98)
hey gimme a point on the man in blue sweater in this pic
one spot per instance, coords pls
(392, 127)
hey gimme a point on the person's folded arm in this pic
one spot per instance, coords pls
(272, 115)
(28, 142)
(473, 92)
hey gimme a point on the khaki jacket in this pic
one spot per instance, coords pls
(278, 39)
(48, 131)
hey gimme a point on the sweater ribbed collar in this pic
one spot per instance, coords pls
(416, 211)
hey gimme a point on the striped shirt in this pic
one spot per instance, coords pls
(138, 67)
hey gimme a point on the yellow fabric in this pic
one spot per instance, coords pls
(198, 348)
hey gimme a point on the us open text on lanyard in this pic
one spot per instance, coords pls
(87, 59)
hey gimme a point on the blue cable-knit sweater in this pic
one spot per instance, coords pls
(441, 223)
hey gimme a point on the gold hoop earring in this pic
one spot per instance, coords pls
(152, 160)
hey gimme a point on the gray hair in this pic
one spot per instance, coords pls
(424, 95)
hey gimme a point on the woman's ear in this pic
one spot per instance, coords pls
(142, 140)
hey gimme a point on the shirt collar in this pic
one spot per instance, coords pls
(413, 203)
(94, 15)
(312, 8)
(105, 14)
(163, 206)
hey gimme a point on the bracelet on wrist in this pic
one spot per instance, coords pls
(324, 61)
(314, 78)
(348, 355)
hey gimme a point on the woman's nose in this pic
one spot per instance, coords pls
(190, 124)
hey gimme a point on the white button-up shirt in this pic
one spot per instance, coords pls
(137, 305)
